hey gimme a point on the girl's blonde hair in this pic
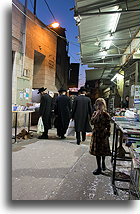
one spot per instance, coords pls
(101, 100)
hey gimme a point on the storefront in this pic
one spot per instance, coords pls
(109, 37)
(126, 148)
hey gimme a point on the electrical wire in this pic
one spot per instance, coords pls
(50, 10)
(55, 20)
(31, 4)
(45, 28)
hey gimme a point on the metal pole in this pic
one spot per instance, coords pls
(109, 12)
(29, 122)
(24, 27)
(35, 7)
(16, 128)
(24, 36)
(26, 3)
(113, 39)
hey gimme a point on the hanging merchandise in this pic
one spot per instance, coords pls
(137, 95)
(132, 90)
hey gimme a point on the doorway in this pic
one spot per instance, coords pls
(39, 70)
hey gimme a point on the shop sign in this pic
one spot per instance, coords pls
(137, 95)
(136, 101)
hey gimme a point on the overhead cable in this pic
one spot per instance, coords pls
(50, 9)
(31, 4)
(45, 28)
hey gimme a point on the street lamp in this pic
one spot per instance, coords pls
(54, 25)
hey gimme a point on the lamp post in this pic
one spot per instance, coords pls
(54, 25)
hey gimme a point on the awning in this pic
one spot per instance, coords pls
(106, 29)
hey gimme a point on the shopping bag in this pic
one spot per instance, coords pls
(71, 129)
(40, 126)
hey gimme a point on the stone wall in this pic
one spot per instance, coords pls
(34, 58)
(41, 49)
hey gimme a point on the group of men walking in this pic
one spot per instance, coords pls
(80, 111)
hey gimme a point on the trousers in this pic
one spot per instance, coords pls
(78, 137)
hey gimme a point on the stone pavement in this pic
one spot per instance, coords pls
(56, 169)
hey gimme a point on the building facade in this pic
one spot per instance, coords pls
(36, 50)
(34, 55)
(62, 59)
(73, 75)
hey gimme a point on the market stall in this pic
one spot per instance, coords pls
(134, 192)
(126, 133)
(18, 110)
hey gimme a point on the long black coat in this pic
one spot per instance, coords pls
(63, 112)
(45, 110)
(81, 113)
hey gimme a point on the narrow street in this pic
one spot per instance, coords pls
(57, 169)
(76, 60)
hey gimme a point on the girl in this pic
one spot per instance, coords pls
(100, 135)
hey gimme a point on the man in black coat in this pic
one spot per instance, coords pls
(62, 112)
(81, 114)
(45, 111)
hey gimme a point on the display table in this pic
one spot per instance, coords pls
(128, 129)
(16, 119)
(134, 190)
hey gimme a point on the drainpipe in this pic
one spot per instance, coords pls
(24, 36)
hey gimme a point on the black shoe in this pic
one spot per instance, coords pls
(83, 139)
(63, 137)
(97, 172)
(78, 142)
(43, 137)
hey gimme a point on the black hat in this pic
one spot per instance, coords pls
(82, 89)
(41, 90)
(62, 90)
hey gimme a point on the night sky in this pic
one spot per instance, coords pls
(62, 13)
